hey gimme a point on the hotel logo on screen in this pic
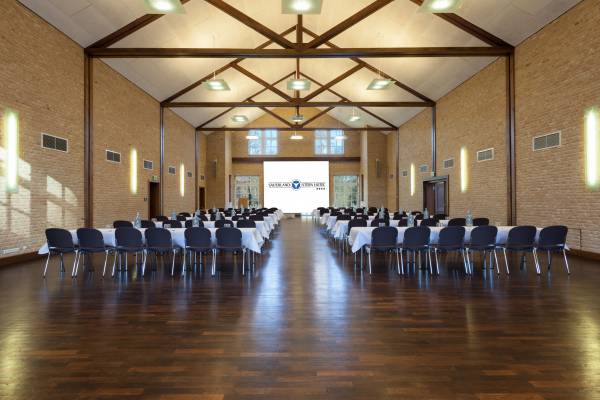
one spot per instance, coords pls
(296, 185)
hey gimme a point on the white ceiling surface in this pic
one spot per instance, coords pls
(399, 24)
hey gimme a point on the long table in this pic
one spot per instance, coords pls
(360, 236)
(251, 238)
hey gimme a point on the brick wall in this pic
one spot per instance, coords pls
(42, 79)
(558, 79)
(415, 148)
(392, 179)
(473, 116)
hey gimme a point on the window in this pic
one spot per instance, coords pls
(54, 143)
(264, 144)
(247, 191)
(345, 191)
(113, 156)
(328, 142)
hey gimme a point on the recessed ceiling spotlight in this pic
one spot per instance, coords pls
(297, 118)
(164, 7)
(441, 6)
(216, 85)
(379, 84)
(298, 84)
(239, 118)
(301, 6)
(296, 136)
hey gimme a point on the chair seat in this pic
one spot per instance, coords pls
(230, 248)
(160, 249)
(519, 248)
(93, 249)
(415, 248)
(559, 247)
(129, 249)
(62, 249)
(448, 248)
(481, 248)
(381, 248)
(198, 249)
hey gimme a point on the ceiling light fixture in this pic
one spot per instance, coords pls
(298, 84)
(239, 118)
(296, 136)
(441, 6)
(297, 118)
(165, 7)
(217, 85)
(301, 6)
(380, 84)
(354, 117)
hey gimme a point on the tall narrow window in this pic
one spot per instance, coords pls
(247, 191)
(263, 142)
(345, 191)
(11, 146)
(329, 142)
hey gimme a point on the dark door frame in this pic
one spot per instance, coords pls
(435, 179)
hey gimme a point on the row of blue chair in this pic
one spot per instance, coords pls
(221, 223)
(521, 239)
(128, 240)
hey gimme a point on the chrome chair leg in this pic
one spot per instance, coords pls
(506, 261)
(76, 264)
(145, 258)
(243, 262)
(369, 253)
(497, 263)
(105, 262)
(398, 262)
(566, 262)
(62, 263)
(402, 260)
(114, 263)
(428, 257)
(214, 264)
(437, 260)
(467, 270)
(537, 262)
(173, 262)
(183, 266)
(46, 267)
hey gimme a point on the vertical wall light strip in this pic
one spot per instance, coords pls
(412, 179)
(133, 181)
(11, 163)
(464, 173)
(592, 148)
(182, 180)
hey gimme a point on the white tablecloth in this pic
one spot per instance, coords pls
(340, 228)
(251, 238)
(360, 237)
(261, 227)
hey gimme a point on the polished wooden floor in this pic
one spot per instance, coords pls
(305, 325)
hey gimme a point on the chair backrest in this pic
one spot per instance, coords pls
(229, 237)
(483, 236)
(244, 223)
(172, 224)
(147, 224)
(181, 218)
(162, 218)
(481, 221)
(429, 222)
(129, 237)
(203, 217)
(344, 218)
(378, 221)
(257, 218)
(185, 214)
(553, 236)
(59, 238)
(122, 224)
(521, 237)
(158, 237)
(403, 222)
(416, 237)
(90, 238)
(358, 222)
(457, 222)
(223, 222)
(386, 236)
(452, 236)
(198, 237)
(190, 223)
(439, 217)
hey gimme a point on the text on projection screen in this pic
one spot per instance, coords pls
(296, 186)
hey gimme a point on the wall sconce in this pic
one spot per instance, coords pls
(181, 180)
(412, 180)
(592, 149)
(11, 146)
(133, 181)
(464, 175)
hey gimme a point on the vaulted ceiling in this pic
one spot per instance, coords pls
(398, 24)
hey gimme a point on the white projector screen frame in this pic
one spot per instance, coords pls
(296, 186)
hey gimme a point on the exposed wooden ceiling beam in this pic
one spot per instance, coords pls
(316, 116)
(348, 23)
(222, 69)
(128, 29)
(251, 23)
(385, 52)
(470, 28)
(333, 82)
(372, 68)
(297, 129)
(295, 103)
(346, 99)
(262, 82)
(247, 99)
